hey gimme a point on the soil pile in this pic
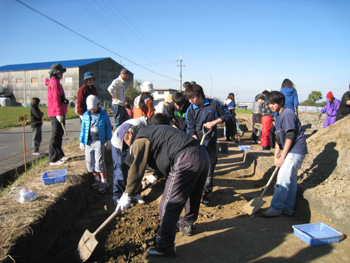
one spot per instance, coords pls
(325, 172)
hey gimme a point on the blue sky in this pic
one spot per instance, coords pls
(227, 46)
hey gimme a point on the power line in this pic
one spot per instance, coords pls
(91, 41)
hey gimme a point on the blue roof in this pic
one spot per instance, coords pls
(46, 65)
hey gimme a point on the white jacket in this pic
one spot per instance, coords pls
(117, 90)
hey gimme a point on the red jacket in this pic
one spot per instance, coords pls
(83, 92)
(55, 93)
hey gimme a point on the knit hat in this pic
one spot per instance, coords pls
(147, 86)
(57, 68)
(330, 95)
(168, 98)
(91, 102)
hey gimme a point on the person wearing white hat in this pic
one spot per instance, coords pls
(143, 104)
(96, 130)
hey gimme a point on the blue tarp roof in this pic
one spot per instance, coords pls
(46, 65)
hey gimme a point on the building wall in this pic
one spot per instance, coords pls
(31, 83)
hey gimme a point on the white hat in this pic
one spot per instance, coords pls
(147, 86)
(91, 102)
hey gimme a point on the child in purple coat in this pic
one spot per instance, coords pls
(331, 109)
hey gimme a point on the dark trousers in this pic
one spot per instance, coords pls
(119, 178)
(256, 119)
(37, 137)
(183, 188)
(231, 129)
(120, 115)
(55, 147)
(213, 159)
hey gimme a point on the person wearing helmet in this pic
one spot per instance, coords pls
(84, 91)
(143, 104)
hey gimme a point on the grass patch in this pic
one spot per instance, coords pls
(9, 116)
(243, 111)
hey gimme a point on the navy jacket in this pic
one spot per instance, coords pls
(197, 116)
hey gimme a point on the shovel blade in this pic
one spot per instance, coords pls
(253, 205)
(86, 245)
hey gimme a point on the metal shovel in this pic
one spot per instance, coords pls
(88, 241)
(255, 204)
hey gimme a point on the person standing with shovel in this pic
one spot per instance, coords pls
(290, 152)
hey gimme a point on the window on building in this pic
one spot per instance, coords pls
(161, 92)
(68, 79)
(5, 81)
(19, 81)
(34, 80)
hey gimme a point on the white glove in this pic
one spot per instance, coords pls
(108, 145)
(82, 146)
(59, 118)
(124, 202)
(81, 117)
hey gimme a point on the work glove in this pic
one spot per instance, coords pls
(81, 117)
(82, 146)
(124, 202)
(108, 145)
(59, 118)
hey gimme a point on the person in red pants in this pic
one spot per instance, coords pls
(266, 121)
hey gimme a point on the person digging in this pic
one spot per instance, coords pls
(185, 163)
(290, 151)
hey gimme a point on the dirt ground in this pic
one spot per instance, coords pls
(222, 232)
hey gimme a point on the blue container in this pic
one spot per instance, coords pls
(244, 147)
(317, 234)
(54, 177)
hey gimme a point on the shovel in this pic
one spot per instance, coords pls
(64, 130)
(88, 241)
(204, 134)
(255, 204)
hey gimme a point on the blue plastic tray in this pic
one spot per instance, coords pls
(317, 233)
(54, 177)
(244, 147)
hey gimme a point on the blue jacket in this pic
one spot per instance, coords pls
(291, 98)
(104, 127)
(196, 116)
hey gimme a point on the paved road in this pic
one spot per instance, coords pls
(11, 143)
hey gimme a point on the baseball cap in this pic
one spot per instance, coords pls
(118, 141)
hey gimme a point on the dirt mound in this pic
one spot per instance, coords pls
(325, 172)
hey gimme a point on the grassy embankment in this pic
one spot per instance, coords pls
(9, 116)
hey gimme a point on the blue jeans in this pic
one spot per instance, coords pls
(120, 115)
(283, 199)
(119, 178)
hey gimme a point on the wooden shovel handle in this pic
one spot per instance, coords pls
(109, 219)
(269, 182)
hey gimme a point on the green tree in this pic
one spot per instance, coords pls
(133, 91)
(315, 96)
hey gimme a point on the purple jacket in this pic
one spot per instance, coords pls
(331, 110)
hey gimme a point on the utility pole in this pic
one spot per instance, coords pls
(180, 71)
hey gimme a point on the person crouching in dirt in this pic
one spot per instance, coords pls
(185, 163)
(331, 108)
(118, 156)
(289, 154)
(207, 112)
